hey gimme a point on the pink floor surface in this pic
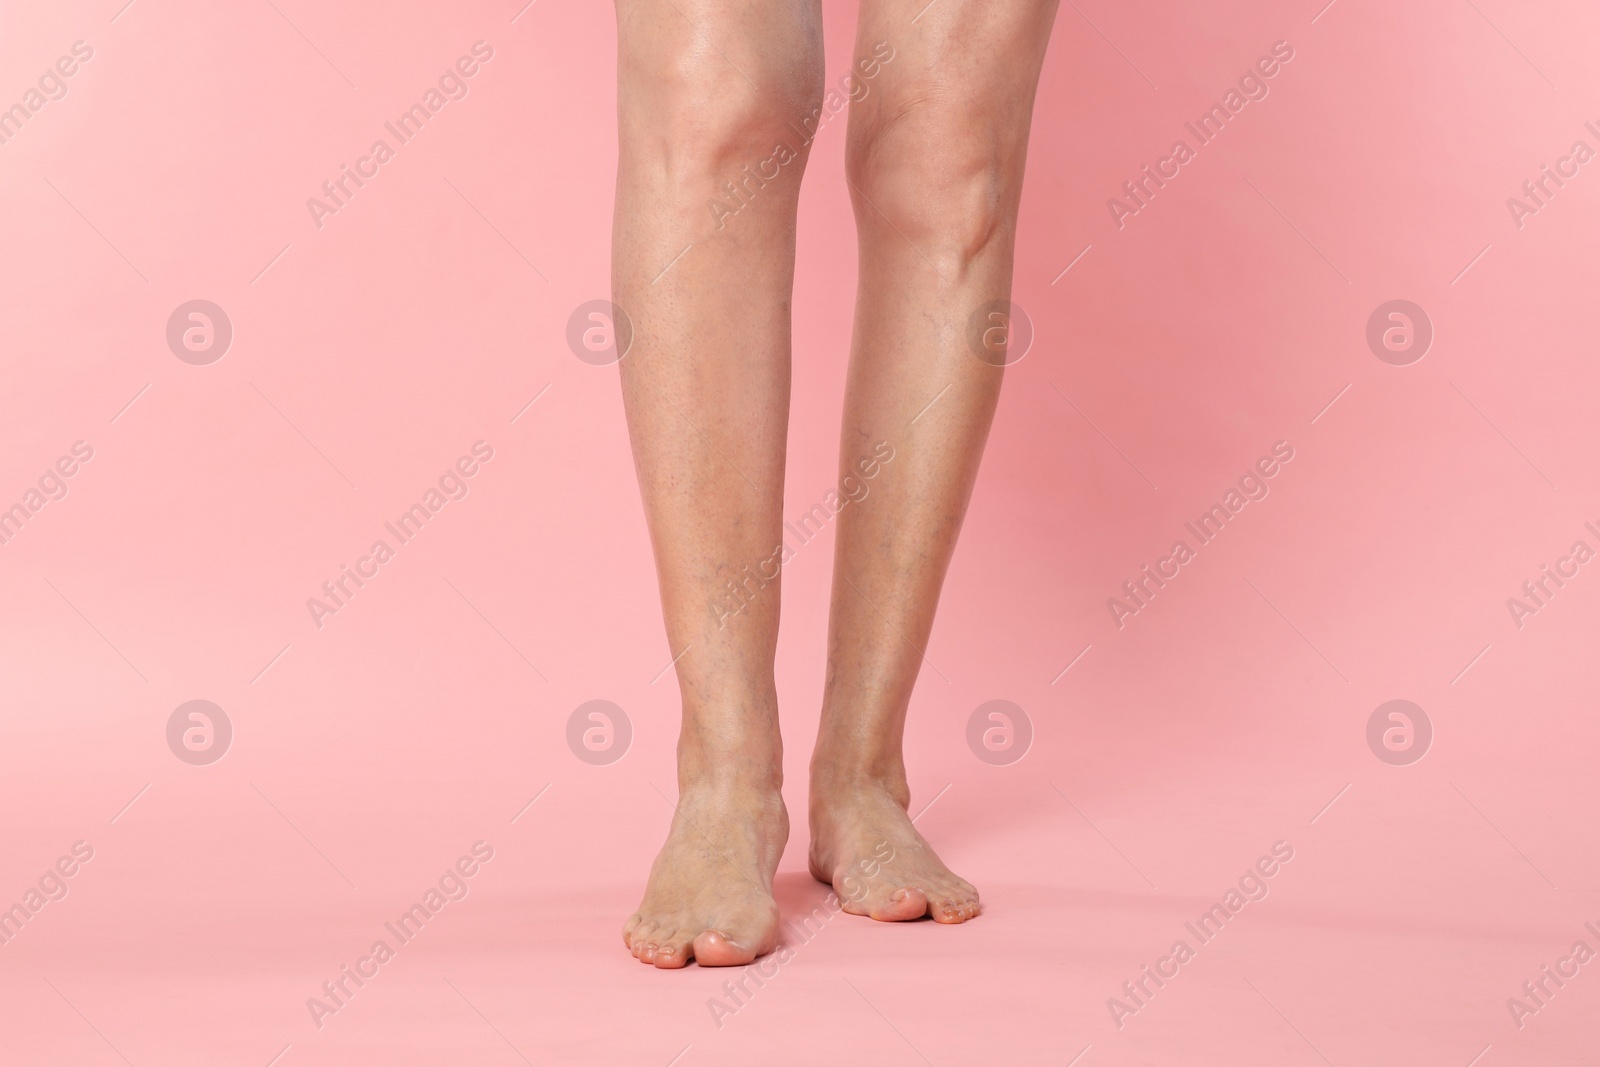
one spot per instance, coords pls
(1441, 872)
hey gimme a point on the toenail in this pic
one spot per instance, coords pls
(898, 896)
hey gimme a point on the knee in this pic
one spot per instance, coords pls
(693, 113)
(941, 171)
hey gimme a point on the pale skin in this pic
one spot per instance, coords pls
(936, 143)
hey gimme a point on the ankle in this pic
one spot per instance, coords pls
(834, 782)
(721, 772)
(858, 747)
(735, 786)
(731, 748)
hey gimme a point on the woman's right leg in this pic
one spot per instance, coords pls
(711, 92)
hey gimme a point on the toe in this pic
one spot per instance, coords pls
(641, 938)
(713, 948)
(673, 952)
(953, 910)
(898, 904)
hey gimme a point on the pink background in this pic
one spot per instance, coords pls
(371, 753)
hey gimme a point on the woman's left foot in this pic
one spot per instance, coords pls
(864, 845)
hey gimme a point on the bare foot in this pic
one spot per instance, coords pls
(709, 897)
(864, 845)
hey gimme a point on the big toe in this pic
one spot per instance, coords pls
(713, 948)
(898, 905)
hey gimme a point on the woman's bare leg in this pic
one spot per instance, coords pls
(707, 90)
(935, 160)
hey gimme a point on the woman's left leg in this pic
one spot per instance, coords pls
(935, 159)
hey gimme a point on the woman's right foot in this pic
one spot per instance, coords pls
(709, 897)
